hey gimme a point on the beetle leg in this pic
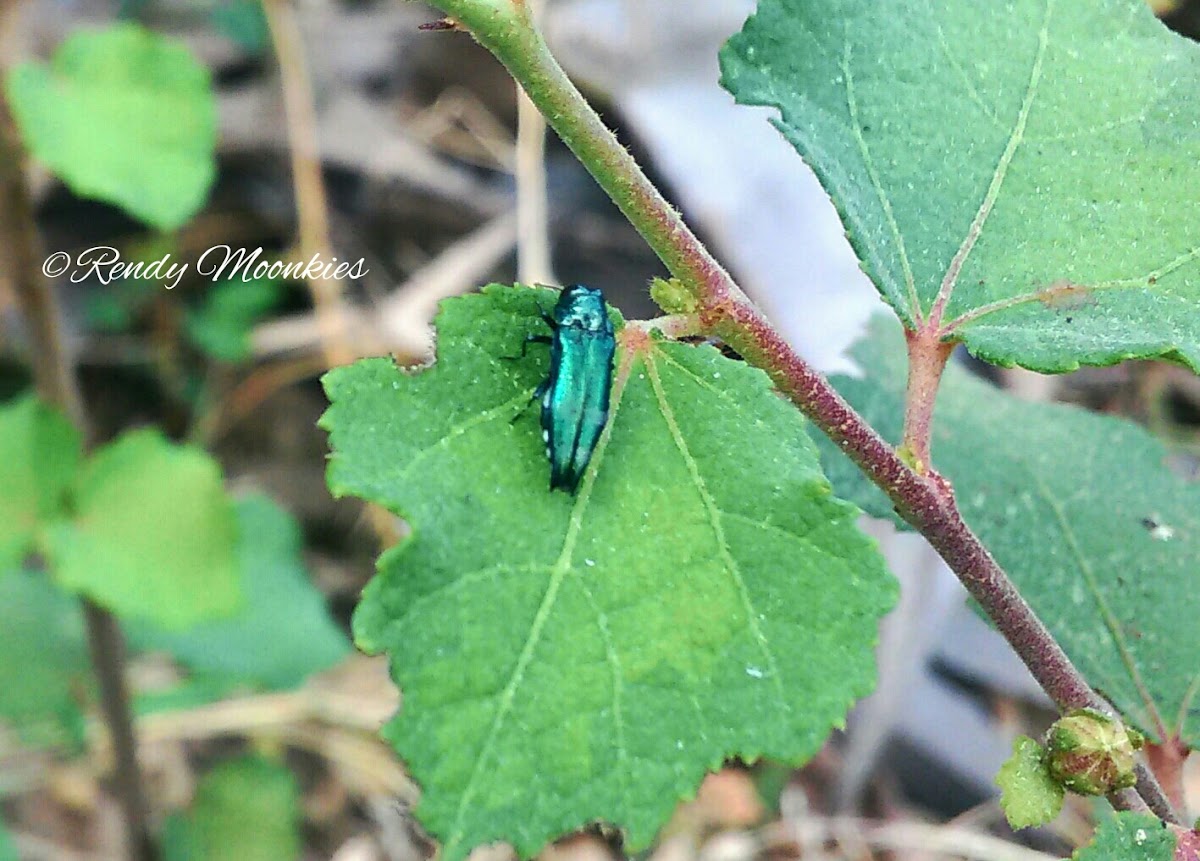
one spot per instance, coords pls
(537, 396)
(534, 339)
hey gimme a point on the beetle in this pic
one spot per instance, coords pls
(574, 397)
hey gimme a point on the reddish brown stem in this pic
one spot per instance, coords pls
(1166, 761)
(927, 356)
(927, 502)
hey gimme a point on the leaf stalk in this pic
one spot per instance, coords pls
(927, 357)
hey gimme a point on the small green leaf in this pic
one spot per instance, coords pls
(672, 296)
(247, 809)
(125, 116)
(39, 455)
(284, 634)
(221, 326)
(1029, 796)
(44, 668)
(1131, 837)
(566, 659)
(153, 534)
(1020, 173)
(1084, 513)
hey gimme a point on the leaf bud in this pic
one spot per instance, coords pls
(1092, 753)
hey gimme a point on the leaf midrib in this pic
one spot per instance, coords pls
(714, 518)
(1111, 623)
(999, 174)
(558, 573)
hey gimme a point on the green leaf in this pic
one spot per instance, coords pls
(153, 534)
(222, 326)
(44, 669)
(125, 116)
(1083, 512)
(39, 455)
(566, 659)
(116, 306)
(247, 809)
(176, 838)
(1130, 837)
(1029, 796)
(1016, 172)
(284, 634)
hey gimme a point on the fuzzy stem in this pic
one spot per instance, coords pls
(506, 28)
(924, 499)
(1166, 760)
(56, 385)
(927, 357)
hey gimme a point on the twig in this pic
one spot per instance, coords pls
(19, 247)
(925, 499)
(35, 848)
(401, 320)
(107, 646)
(312, 210)
(946, 840)
(534, 263)
(338, 725)
(56, 384)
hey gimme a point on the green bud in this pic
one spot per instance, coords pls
(672, 296)
(1092, 753)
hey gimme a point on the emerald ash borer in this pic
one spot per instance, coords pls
(574, 397)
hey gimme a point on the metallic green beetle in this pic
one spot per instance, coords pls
(575, 396)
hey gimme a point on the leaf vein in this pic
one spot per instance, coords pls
(467, 579)
(1111, 623)
(1185, 706)
(768, 527)
(1134, 282)
(614, 663)
(968, 84)
(558, 572)
(1090, 131)
(714, 519)
(873, 175)
(460, 429)
(950, 279)
(699, 380)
